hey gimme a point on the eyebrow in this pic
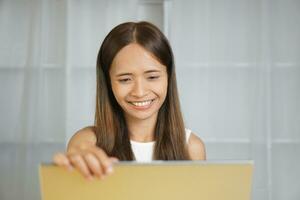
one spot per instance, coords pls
(146, 72)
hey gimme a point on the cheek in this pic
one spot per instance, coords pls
(119, 92)
(161, 89)
(116, 91)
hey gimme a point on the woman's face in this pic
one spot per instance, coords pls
(139, 82)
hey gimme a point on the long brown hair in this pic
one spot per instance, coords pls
(110, 125)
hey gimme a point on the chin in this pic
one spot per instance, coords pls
(141, 116)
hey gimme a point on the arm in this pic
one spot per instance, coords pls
(196, 148)
(83, 154)
(85, 136)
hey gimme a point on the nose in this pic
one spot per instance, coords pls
(139, 89)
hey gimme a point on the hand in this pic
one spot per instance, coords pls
(89, 159)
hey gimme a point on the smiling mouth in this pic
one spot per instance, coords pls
(141, 103)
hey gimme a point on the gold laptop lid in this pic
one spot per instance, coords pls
(153, 181)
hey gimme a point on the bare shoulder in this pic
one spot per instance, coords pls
(196, 148)
(83, 136)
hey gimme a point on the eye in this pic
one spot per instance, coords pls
(153, 77)
(124, 80)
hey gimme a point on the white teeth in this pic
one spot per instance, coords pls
(141, 103)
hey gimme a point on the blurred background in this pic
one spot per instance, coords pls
(238, 71)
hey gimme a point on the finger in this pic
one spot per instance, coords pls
(62, 160)
(114, 160)
(80, 164)
(94, 164)
(105, 161)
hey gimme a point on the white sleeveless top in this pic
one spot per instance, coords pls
(143, 151)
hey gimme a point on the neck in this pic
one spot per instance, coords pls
(141, 130)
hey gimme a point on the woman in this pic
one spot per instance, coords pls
(138, 113)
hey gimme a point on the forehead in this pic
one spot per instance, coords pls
(134, 58)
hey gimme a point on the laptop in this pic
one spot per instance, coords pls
(158, 180)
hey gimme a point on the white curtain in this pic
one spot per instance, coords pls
(239, 78)
(237, 68)
(47, 78)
